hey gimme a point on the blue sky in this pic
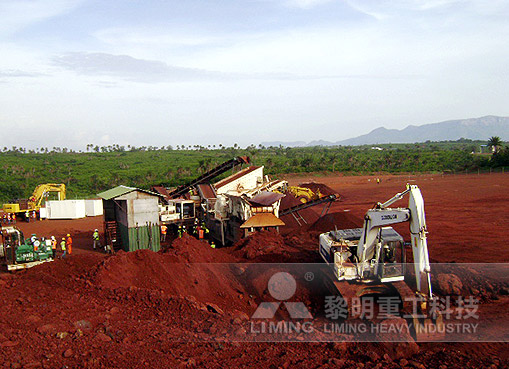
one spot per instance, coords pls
(145, 72)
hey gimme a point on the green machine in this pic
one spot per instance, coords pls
(20, 253)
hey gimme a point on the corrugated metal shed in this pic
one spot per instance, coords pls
(115, 192)
(138, 238)
(131, 218)
(122, 190)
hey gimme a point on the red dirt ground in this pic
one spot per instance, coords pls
(146, 309)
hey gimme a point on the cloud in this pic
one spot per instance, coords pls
(14, 73)
(18, 14)
(383, 9)
(151, 71)
(154, 37)
(129, 68)
(306, 4)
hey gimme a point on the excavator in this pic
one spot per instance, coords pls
(35, 201)
(304, 194)
(372, 261)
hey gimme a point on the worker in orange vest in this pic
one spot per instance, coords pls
(68, 243)
(201, 232)
(54, 246)
(164, 229)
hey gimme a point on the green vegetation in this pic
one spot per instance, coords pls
(494, 143)
(100, 168)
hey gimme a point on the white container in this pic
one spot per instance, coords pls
(66, 209)
(93, 207)
(43, 213)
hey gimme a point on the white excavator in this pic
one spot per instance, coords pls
(371, 260)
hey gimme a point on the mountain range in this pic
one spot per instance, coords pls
(473, 128)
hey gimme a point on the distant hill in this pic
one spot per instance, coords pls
(451, 130)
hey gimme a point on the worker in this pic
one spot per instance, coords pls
(4, 218)
(201, 232)
(180, 231)
(54, 246)
(34, 216)
(62, 246)
(213, 245)
(8, 218)
(14, 218)
(95, 237)
(205, 230)
(69, 243)
(27, 216)
(47, 244)
(164, 229)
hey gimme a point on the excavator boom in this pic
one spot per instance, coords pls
(43, 189)
(35, 201)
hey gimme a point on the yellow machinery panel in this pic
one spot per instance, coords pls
(11, 208)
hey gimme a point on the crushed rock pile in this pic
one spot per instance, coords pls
(262, 246)
(340, 220)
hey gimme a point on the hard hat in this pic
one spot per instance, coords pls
(63, 238)
(68, 235)
(52, 237)
(96, 230)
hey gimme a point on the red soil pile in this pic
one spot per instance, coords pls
(263, 246)
(481, 281)
(179, 272)
(340, 220)
(190, 250)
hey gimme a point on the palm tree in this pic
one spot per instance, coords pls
(494, 142)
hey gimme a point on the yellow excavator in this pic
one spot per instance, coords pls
(35, 201)
(304, 194)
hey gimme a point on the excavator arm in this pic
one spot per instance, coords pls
(42, 190)
(418, 233)
(383, 216)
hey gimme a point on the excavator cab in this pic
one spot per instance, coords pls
(391, 257)
(339, 248)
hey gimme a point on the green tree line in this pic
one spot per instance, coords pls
(88, 173)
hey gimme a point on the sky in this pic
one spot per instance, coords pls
(186, 72)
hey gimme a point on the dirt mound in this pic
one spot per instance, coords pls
(315, 187)
(340, 220)
(145, 269)
(262, 246)
(190, 250)
(482, 281)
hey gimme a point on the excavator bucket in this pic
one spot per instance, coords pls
(427, 329)
(424, 325)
